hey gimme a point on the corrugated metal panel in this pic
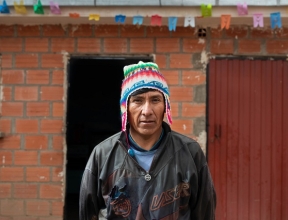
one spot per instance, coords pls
(248, 138)
(60, 2)
(250, 2)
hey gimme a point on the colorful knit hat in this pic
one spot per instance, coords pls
(139, 76)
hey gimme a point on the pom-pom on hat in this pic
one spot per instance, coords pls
(139, 76)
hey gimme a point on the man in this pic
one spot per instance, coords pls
(147, 171)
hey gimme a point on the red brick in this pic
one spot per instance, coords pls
(261, 33)
(53, 30)
(277, 46)
(192, 77)
(37, 77)
(107, 31)
(57, 174)
(193, 45)
(181, 94)
(222, 47)
(249, 46)
(25, 218)
(184, 32)
(6, 60)
(51, 191)
(6, 93)
(38, 109)
(58, 77)
(37, 174)
(26, 158)
(161, 61)
(141, 45)
(51, 126)
(5, 125)
(174, 109)
(282, 32)
(28, 31)
(162, 31)
(216, 33)
(132, 31)
(12, 76)
(12, 109)
(182, 126)
(89, 45)
(10, 142)
(5, 190)
(83, 30)
(26, 60)
(10, 44)
(36, 44)
(237, 32)
(62, 44)
(167, 45)
(51, 218)
(37, 207)
(26, 125)
(6, 159)
(181, 61)
(58, 109)
(27, 191)
(12, 207)
(26, 93)
(52, 158)
(6, 218)
(193, 110)
(57, 208)
(171, 76)
(52, 61)
(52, 93)
(11, 174)
(115, 45)
(6, 31)
(57, 143)
(36, 142)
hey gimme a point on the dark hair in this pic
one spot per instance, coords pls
(141, 91)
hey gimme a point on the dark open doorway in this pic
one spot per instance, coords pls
(93, 114)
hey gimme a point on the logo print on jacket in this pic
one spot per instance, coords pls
(171, 195)
(121, 206)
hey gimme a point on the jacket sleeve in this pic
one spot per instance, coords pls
(204, 209)
(90, 201)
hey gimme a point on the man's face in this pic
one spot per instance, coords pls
(145, 113)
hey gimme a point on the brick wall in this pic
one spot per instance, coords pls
(32, 91)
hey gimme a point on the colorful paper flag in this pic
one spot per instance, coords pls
(275, 19)
(38, 8)
(94, 17)
(172, 23)
(189, 21)
(4, 9)
(242, 9)
(54, 8)
(20, 8)
(258, 20)
(120, 18)
(138, 19)
(156, 20)
(206, 10)
(74, 15)
(225, 21)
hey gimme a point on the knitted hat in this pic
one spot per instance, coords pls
(139, 76)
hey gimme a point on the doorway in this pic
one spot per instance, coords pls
(93, 114)
(247, 137)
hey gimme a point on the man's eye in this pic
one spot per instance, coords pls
(137, 100)
(156, 100)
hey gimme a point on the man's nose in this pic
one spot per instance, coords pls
(147, 108)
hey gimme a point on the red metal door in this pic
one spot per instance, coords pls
(248, 138)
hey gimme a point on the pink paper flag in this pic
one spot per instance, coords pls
(54, 8)
(258, 20)
(242, 9)
(156, 20)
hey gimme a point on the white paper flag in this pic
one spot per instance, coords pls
(189, 21)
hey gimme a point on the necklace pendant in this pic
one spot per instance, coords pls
(147, 177)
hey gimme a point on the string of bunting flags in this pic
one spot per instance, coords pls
(156, 20)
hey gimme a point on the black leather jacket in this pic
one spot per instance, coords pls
(177, 186)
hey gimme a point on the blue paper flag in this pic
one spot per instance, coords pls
(137, 20)
(4, 8)
(275, 19)
(120, 18)
(172, 22)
